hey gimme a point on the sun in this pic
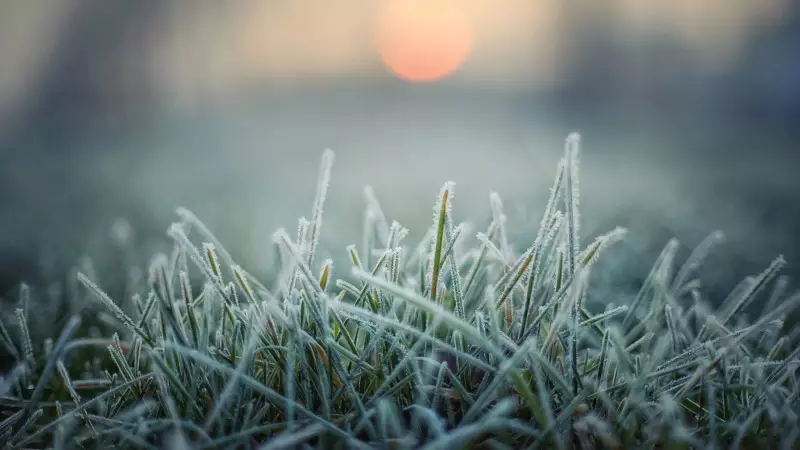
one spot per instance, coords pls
(423, 40)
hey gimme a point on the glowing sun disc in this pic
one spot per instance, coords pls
(423, 40)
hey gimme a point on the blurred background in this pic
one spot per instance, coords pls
(117, 109)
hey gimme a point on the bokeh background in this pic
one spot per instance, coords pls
(127, 109)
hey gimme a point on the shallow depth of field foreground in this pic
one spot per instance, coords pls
(458, 341)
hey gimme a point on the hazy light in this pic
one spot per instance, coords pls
(423, 40)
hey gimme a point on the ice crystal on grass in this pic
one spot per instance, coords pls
(451, 342)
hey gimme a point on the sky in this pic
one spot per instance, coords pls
(201, 49)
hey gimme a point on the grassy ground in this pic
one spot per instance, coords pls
(458, 341)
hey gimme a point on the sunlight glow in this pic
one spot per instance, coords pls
(423, 40)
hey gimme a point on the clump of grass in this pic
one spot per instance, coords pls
(452, 343)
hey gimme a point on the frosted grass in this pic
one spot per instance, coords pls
(457, 340)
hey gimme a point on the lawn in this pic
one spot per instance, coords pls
(457, 341)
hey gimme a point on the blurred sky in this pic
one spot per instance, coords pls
(128, 109)
(197, 51)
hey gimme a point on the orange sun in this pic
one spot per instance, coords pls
(423, 40)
